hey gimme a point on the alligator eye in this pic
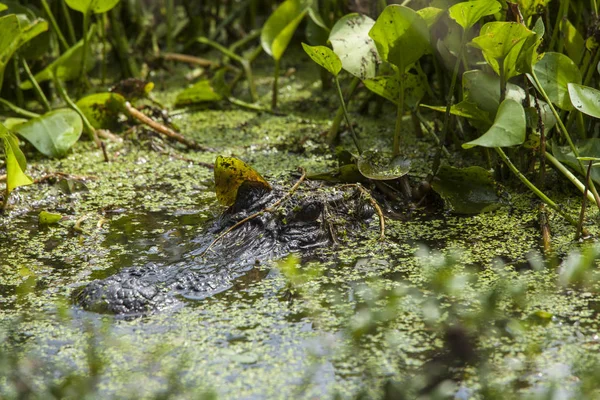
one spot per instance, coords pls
(364, 211)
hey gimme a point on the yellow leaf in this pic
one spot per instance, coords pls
(230, 173)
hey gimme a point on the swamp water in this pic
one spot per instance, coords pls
(260, 339)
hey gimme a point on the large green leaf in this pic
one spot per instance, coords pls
(102, 109)
(325, 57)
(401, 36)
(67, 66)
(13, 36)
(53, 133)
(468, 13)
(388, 86)
(281, 25)
(484, 90)
(574, 42)
(555, 71)
(350, 40)
(468, 190)
(15, 161)
(502, 43)
(95, 6)
(430, 15)
(585, 99)
(508, 128)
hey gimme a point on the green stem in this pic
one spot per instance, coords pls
(341, 96)
(591, 70)
(431, 132)
(275, 86)
(450, 94)
(244, 63)
(399, 116)
(565, 133)
(18, 91)
(67, 15)
(18, 110)
(502, 80)
(61, 37)
(87, 126)
(533, 188)
(86, 43)
(562, 13)
(38, 90)
(339, 115)
(170, 8)
(565, 171)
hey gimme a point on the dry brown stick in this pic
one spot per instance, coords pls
(160, 128)
(203, 62)
(258, 213)
(377, 210)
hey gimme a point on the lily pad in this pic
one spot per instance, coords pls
(95, 6)
(230, 173)
(350, 40)
(468, 190)
(53, 133)
(377, 166)
(201, 92)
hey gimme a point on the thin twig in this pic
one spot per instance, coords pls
(160, 128)
(258, 213)
(375, 205)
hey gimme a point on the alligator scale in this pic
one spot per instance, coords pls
(313, 217)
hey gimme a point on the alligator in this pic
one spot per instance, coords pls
(314, 217)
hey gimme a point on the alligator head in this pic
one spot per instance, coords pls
(314, 217)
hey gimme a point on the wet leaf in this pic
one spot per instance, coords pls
(585, 99)
(280, 27)
(15, 161)
(585, 148)
(468, 190)
(430, 15)
(468, 13)
(201, 92)
(350, 40)
(102, 109)
(230, 173)
(53, 133)
(48, 218)
(502, 43)
(14, 36)
(377, 166)
(555, 71)
(401, 36)
(574, 42)
(508, 128)
(95, 6)
(388, 86)
(484, 90)
(67, 66)
(325, 57)
(465, 109)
